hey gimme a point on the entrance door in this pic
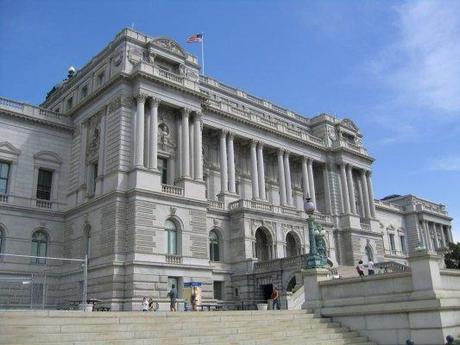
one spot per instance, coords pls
(267, 288)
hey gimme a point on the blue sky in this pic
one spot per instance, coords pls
(391, 66)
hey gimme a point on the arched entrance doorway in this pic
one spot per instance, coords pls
(263, 244)
(292, 244)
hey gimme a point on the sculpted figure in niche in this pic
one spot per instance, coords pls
(163, 134)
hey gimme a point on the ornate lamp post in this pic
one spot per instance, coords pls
(314, 258)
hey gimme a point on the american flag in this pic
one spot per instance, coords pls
(195, 38)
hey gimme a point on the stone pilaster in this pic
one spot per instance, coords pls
(254, 172)
(198, 147)
(281, 177)
(140, 123)
(351, 189)
(185, 143)
(153, 142)
(287, 173)
(345, 194)
(231, 164)
(223, 162)
(371, 194)
(261, 170)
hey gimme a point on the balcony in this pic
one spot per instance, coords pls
(36, 113)
(174, 259)
(166, 76)
(219, 205)
(171, 189)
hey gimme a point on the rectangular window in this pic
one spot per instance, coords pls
(93, 177)
(172, 240)
(392, 242)
(4, 176)
(100, 78)
(403, 243)
(163, 167)
(45, 179)
(218, 290)
(84, 91)
(69, 103)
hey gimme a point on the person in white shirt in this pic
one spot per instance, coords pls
(370, 268)
(145, 304)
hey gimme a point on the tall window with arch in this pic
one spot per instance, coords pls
(214, 246)
(2, 240)
(171, 237)
(39, 246)
(88, 241)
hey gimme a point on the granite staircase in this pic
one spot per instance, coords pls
(287, 327)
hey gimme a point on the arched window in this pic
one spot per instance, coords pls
(88, 241)
(292, 244)
(263, 245)
(2, 240)
(171, 237)
(369, 253)
(214, 248)
(39, 245)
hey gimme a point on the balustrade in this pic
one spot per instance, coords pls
(170, 189)
(216, 204)
(174, 259)
(3, 197)
(44, 203)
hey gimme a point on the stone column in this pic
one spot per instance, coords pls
(281, 177)
(254, 174)
(198, 147)
(429, 242)
(185, 143)
(361, 199)
(147, 136)
(261, 170)
(443, 238)
(179, 172)
(327, 191)
(231, 164)
(311, 179)
(140, 121)
(154, 134)
(223, 162)
(287, 173)
(351, 189)
(102, 136)
(371, 194)
(345, 195)
(367, 208)
(192, 148)
(306, 189)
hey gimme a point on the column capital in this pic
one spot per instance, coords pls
(141, 97)
(368, 173)
(260, 144)
(186, 111)
(198, 115)
(231, 136)
(286, 153)
(223, 133)
(155, 101)
(254, 142)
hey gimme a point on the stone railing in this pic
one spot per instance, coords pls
(349, 145)
(216, 204)
(174, 259)
(395, 252)
(266, 206)
(431, 207)
(36, 113)
(388, 205)
(44, 203)
(3, 197)
(171, 189)
(152, 70)
(391, 267)
(294, 262)
(261, 120)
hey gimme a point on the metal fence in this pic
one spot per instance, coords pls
(39, 282)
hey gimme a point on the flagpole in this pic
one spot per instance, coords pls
(202, 51)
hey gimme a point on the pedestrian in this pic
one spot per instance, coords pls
(172, 298)
(370, 268)
(193, 299)
(360, 268)
(145, 304)
(276, 299)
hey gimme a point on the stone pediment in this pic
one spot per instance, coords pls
(169, 45)
(9, 149)
(48, 156)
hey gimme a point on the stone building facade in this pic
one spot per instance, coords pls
(161, 176)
